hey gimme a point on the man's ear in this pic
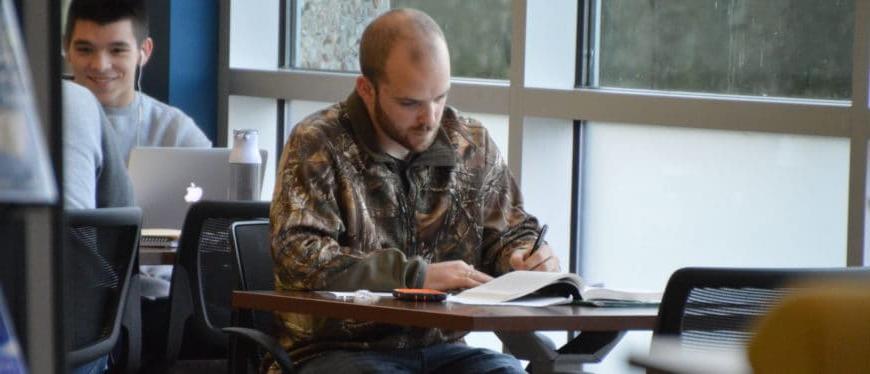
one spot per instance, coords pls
(366, 90)
(145, 51)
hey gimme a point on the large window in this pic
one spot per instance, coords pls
(788, 48)
(669, 196)
(650, 135)
(478, 33)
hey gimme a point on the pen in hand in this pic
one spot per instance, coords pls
(538, 241)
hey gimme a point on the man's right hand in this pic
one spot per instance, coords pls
(452, 275)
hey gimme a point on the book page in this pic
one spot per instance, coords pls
(598, 293)
(513, 285)
(168, 233)
(522, 301)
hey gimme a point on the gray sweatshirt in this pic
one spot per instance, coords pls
(146, 122)
(94, 175)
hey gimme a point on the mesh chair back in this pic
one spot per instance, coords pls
(100, 248)
(716, 308)
(217, 277)
(203, 279)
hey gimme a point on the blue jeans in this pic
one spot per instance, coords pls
(441, 358)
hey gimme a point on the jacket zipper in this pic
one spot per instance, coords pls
(410, 211)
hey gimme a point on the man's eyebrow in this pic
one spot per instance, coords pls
(120, 44)
(408, 98)
(87, 43)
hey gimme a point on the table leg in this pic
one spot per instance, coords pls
(587, 347)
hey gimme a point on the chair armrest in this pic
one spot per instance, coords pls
(264, 341)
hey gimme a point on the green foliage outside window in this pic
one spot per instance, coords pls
(785, 48)
(478, 33)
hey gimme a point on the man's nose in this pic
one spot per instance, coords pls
(100, 62)
(429, 113)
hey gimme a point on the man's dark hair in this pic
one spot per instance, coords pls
(380, 36)
(104, 12)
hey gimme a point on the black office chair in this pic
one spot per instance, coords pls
(100, 250)
(716, 308)
(202, 282)
(254, 263)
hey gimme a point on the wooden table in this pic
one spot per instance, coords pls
(515, 326)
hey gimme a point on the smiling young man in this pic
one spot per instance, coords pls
(392, 188)
(106, 44)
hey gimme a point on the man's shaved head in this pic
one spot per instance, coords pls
(419, 33)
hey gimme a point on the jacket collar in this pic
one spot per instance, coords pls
(356, 117)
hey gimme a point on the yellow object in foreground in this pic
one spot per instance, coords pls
(825, 329)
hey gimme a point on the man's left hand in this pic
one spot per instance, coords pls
(542, 260)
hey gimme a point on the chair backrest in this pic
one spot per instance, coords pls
(252, 248)
(204, 277)
(716, 308)
(100, 248)
(255, 266)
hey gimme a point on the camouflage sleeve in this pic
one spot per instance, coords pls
(308, 226)
(506, 225)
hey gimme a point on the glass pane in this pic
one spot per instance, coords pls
(785, 48)
(657, 199)
(478, 33)
(547, 164)
(254, 31)
(329, 30)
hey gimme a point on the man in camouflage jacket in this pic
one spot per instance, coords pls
(393, 189)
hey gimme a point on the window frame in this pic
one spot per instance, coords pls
(516, 99)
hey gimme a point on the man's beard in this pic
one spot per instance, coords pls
(406, 138)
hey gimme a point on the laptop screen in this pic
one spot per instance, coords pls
(167, 180)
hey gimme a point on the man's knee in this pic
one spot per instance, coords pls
(351, 362)
(494, 362)
(481, 360)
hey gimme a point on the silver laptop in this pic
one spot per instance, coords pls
(167, 180)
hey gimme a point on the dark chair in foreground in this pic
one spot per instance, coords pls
(100, 250)
(202, 283)
(717, 308)
(254, 263)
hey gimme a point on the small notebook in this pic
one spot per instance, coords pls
(159, 238)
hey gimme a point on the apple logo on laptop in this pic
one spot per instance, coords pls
(194, 193)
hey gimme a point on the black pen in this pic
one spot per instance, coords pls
(539, 241)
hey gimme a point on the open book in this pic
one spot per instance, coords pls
(537, 288)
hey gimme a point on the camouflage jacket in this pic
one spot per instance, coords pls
(346, 216)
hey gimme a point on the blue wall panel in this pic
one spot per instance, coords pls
(193, 57)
